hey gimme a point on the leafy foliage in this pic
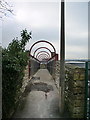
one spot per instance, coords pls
(25, 38)
(14, 60)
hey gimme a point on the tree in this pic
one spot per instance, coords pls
(25, 38)
(5, 8)
(14, 61)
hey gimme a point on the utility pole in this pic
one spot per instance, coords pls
(62, 61)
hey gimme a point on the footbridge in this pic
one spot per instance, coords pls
(53, 98)
(42, 57)
(42, 97)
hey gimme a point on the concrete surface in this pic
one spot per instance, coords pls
(38, 104)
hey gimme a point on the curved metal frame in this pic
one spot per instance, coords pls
(44, 55)
(39, 42)
(33, 46)
(41, 52)
(41, 48)
(40, 59)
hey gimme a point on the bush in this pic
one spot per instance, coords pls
(14, 61)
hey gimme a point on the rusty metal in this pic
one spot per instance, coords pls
(41, 48)
(44, 55)
(35, 62)
(42, 52)
(40, 42)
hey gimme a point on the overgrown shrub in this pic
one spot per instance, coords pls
(14, 61)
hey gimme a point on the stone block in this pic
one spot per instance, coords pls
(79, 83)
(77, 103)
(78, 90)
(76, 110)
(82, 76)
(76, 76)
(79, 97)
(78, 115)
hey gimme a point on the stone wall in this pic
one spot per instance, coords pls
(74, 88)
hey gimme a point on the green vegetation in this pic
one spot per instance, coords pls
(14, 61)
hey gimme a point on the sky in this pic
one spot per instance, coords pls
(43, 19)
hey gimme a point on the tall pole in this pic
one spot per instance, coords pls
(62, 61)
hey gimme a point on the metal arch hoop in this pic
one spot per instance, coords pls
(44, 55)
(41, 52)
(41, 48)
(40, 59)
(39, 42)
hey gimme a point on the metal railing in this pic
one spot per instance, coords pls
(33, 66)
(51, 66)
(87, 90)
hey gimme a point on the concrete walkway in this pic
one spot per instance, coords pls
(38, 104)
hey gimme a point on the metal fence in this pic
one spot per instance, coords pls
(51, 66)
(87, 90)
(34, 65)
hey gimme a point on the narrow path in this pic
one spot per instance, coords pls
(38, 103)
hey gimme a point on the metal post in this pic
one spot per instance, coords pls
(86, 87)
(62, 62)
(56, 57)
(29, 69)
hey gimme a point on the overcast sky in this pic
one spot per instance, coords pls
(43, 19)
